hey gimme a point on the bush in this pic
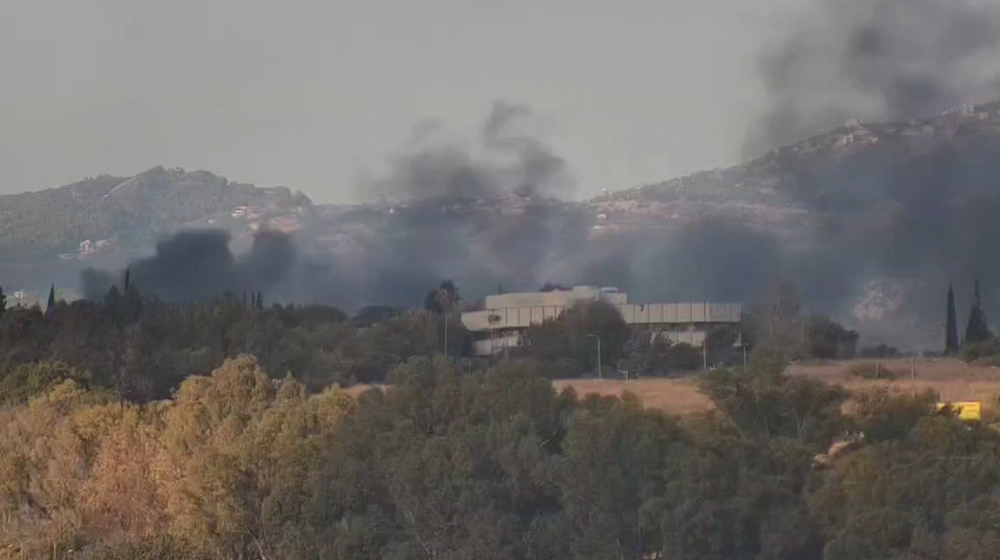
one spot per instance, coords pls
(870, 370)
(973, 352)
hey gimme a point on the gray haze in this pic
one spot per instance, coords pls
(877, 60)
(310, 94)
(639, 92)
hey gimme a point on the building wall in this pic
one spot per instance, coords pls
(554, 298)
(508, 315)
(652, 314)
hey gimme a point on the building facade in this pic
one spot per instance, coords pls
(507, 316)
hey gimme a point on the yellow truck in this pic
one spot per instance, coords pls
(968, 410)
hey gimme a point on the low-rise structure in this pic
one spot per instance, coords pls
(506, 316)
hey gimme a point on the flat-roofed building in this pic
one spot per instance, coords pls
(506, 316)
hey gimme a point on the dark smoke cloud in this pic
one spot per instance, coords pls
(198, 264)
(900, 218)
(877, 60)
(486, 213)
(446, 224)
(503, 160)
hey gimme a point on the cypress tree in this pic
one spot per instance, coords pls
(52, 299)
(977, 329)
(951, 327)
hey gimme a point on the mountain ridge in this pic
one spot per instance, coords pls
(844, 213)
(58, 220)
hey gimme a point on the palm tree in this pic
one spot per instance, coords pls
(444, 299)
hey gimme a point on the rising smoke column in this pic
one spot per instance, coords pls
(445, 224)
(480, 212)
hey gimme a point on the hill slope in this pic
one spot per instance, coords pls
(67, 219)
(871, 221)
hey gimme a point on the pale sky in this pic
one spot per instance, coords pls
(306, 93)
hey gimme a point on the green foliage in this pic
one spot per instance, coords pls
(763, 402)
(260, 458)
(883, 416)
(575, 333)
(977, 330)
(951, 325)
(826, 339)
(975, 351)
(25, 381)
(144, 348)
(777, 323)
(650, 354)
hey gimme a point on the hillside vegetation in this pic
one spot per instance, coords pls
(58, 220)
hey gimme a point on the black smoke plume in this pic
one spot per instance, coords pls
(198, 264)
(876, 60)
(481, 213)
(911, 211)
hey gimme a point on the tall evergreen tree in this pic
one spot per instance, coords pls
(3, 302)
(978, 329)
(52, 299)
(951, 327)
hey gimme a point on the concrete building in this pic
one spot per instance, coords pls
(507, 316)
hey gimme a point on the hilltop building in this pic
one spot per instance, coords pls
(507, 316)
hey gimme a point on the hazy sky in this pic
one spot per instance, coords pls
(306, 93)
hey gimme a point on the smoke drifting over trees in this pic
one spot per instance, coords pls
(198, 264)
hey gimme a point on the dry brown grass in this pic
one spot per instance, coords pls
(678, 396)
(952, 379)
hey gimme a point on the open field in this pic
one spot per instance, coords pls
(952, 379)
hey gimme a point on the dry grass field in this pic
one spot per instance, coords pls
(952, 379)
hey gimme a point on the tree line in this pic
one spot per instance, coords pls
(143, 347)
(132, 428)
(494, 464)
